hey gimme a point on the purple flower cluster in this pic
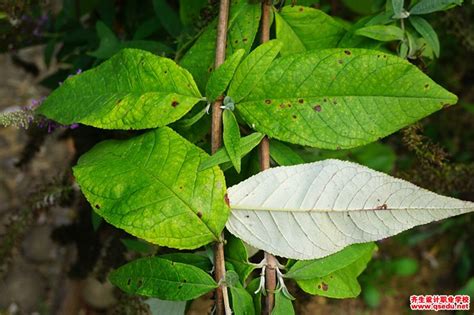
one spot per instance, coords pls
(43, 122)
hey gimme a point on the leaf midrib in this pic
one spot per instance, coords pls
(299, 210)
(348, 95)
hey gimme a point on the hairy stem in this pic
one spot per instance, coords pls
(222, 297)
(264, 154)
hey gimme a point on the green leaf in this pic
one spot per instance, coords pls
(189, 122)
(162, 278)
(257, 297)
(132, 90)
(283, 305)
(467, 289)
(242, 303)
(371, 295)
(109, 43)
(425, 29)
(195, 259)
(219, 79)
(429, 6)
(168, 17)
(364, 7)
(221, 156)
(377, 156)
(148, 186)
(231, 136)
(397, 6)
(162, 307)
(310, 269)
(351, 40)
(236, 254)
(283, 154)
(403, 50)
(96, 221)
(341, 283)
(146, 29)
(346, 98)
(190, 11)
(252, 69)
(383, 33)
(244, 18)
(404, 266)
(302, 28)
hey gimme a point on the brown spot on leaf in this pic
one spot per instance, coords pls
(236, 41)
(325, 286)
(118, 101)
(140, 283)
(175, 103)
(268, 101)
(282, 105)
(427, 86)
(301, 9)
(340, 61)
(347, 52)
(294, 116)
(244, 39)
(325, 100)
(129, 281)
(199, 214)
(334, 102)
(209, 69)
(97, 206)
(226, 199)
(301, 101)
(317, 108)
(381, 207)
(319, 286)
(166, 71)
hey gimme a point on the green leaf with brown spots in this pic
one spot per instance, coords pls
(162, 278)
(340, 98)
(340, 284)
(150, 186)
(132, 90)
(302, 28)
(252, 69)
(244, 18)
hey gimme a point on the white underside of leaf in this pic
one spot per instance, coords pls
(312, 210)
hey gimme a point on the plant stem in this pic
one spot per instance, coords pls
(216, 132)
(264, 154)
(222, 297)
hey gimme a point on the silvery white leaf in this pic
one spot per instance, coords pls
(312, 210)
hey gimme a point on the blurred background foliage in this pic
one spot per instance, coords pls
(436, 153)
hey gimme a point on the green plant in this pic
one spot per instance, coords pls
(318, 84)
